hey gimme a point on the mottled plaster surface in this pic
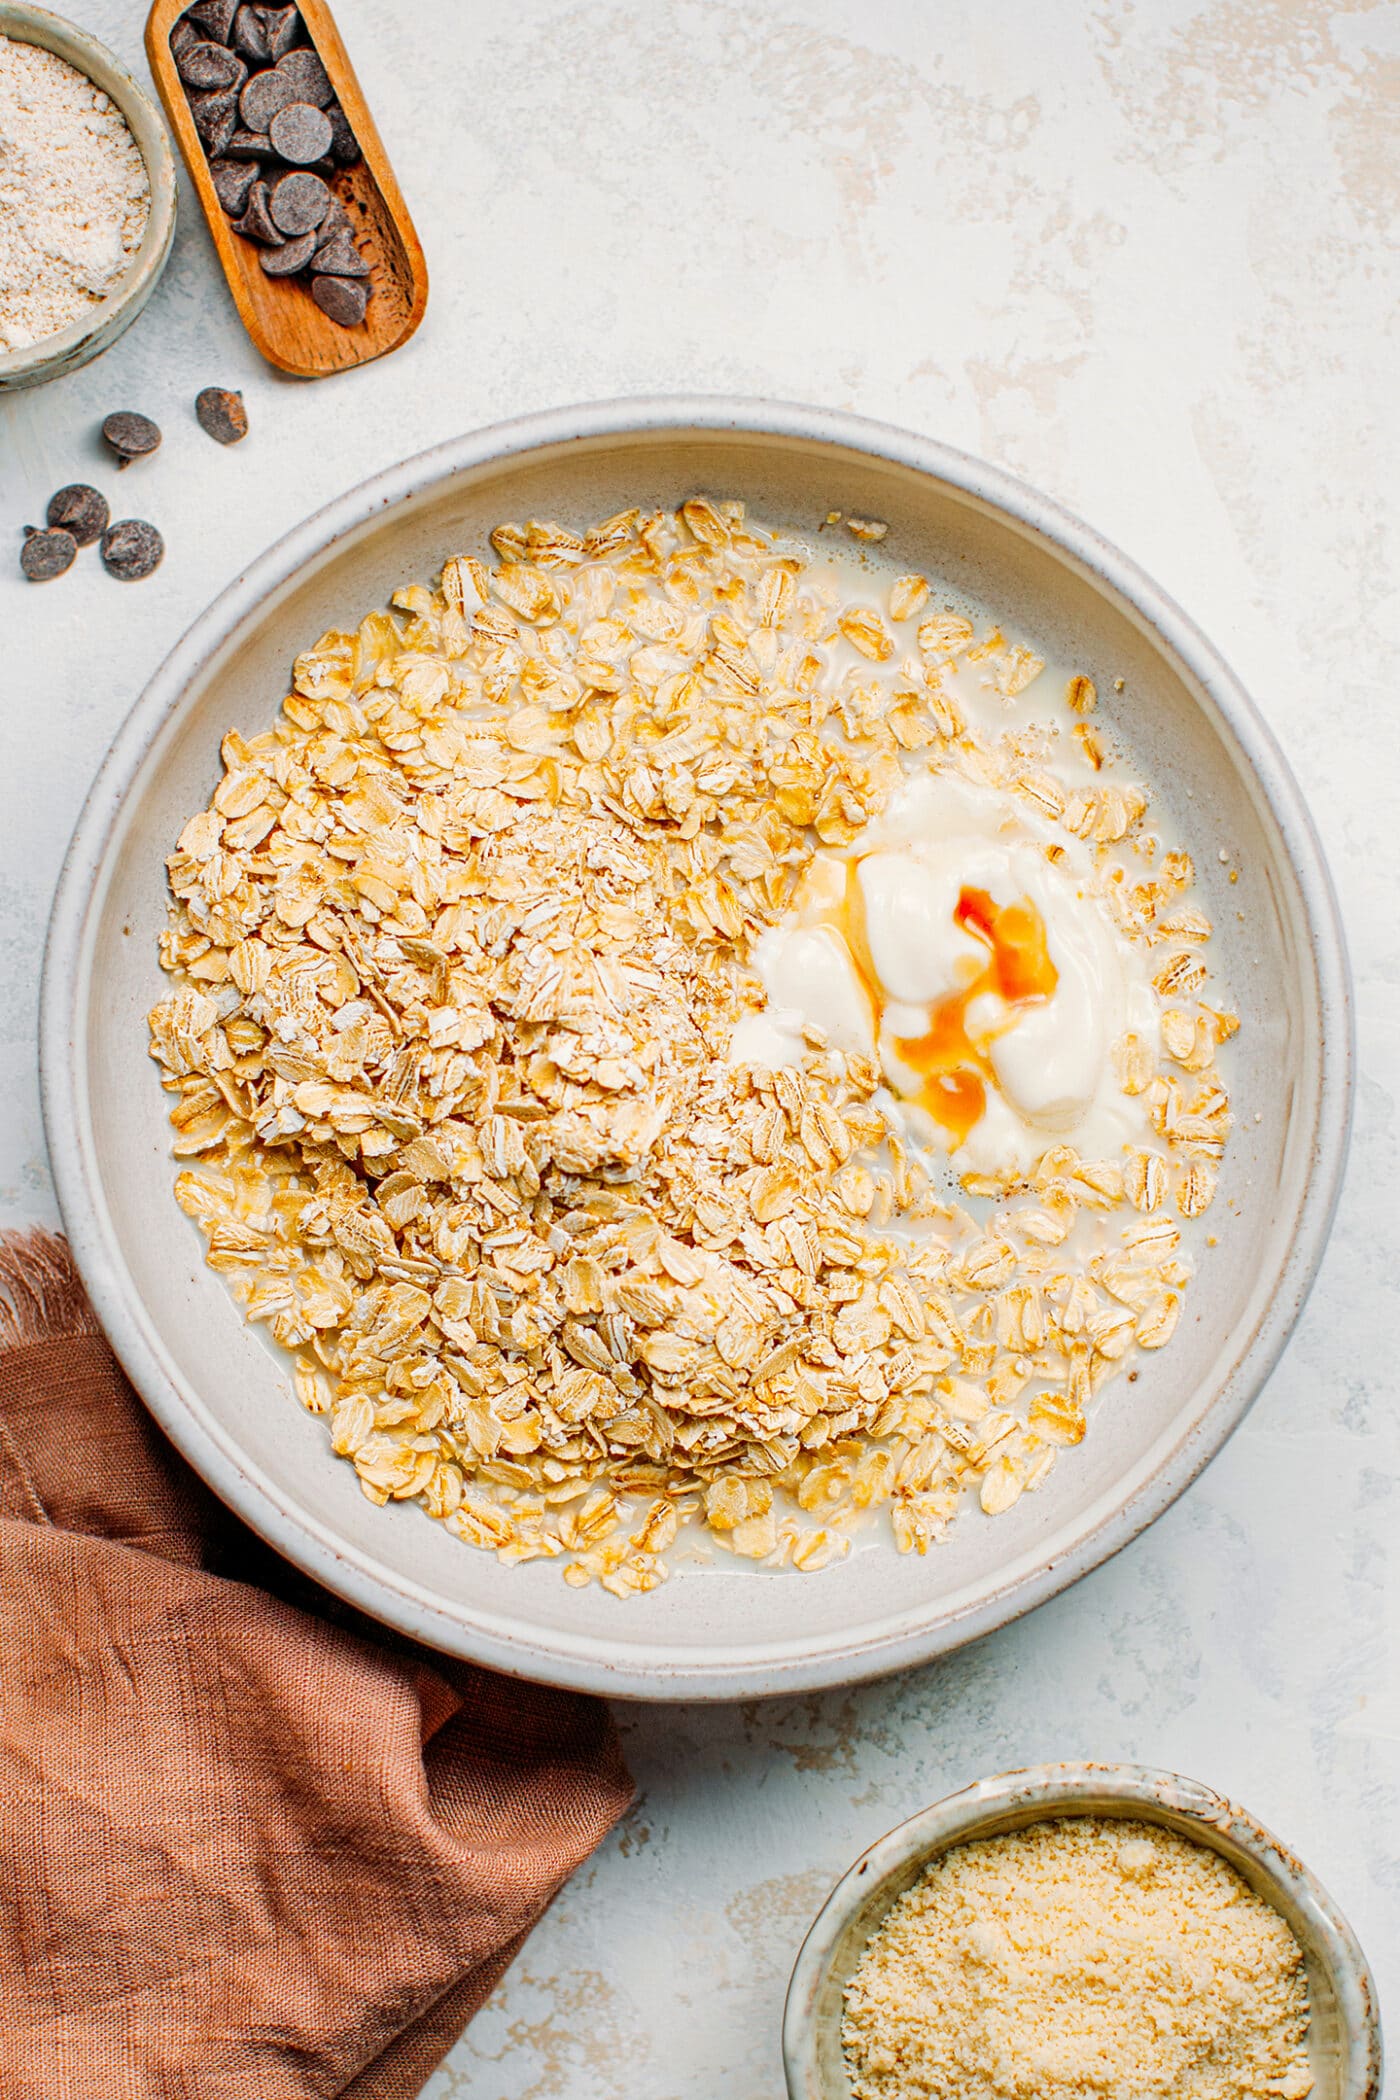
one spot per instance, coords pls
(1145, 255)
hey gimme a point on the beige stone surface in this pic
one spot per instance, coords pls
(1143, 254)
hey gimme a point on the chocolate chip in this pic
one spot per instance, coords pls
(308, 76)
(281, 26)
(213, 17)
(45, 555)
(264, 95)
(256, 223)
(337, 220)
(341, 299)
(131, 549)
(232, 180)
(339, 257)
(183, 37)
(345, 150)
(250, 145)
(212, 66)
(291, 257)
(301, 133)
(299, 202)
(250, 37)
(80, 510)
(215, 118)
(221, 414)
(130, 436)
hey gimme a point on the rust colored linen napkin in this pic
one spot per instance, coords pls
(250, 1848)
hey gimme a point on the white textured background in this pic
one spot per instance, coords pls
(1143, 254)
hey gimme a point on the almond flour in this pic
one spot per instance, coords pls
(1082, 1956)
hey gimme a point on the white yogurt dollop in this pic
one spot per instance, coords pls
(883, 954)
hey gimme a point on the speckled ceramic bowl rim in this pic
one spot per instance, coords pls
(67, 349)
(1086, 1789)
(590, 1663)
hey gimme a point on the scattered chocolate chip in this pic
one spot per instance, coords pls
(250, 37)
(341, 299)
(291, 257)
(264, 95)
(301, 133)
(215, 118)
(232, 180)
(45, 555)
(130, 436)
(182, 37)
(281, 26)
(221, 414)
(250, 145)
(345, 150)
(80, 510)
(131, 549)
(309, 77)
(299, 202)
(256, 224)
(212, 66)
(339, 257)
(213, 17)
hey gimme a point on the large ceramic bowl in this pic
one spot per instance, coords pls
(730, 1630)
(1344, 2037)
(98, 329)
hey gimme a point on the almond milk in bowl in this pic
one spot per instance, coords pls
(942, 826)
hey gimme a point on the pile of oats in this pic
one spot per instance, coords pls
(460, 943)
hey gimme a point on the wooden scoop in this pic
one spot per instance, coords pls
(279, 313)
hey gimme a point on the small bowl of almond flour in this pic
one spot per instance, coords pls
(1081, 1932)
(87, 197)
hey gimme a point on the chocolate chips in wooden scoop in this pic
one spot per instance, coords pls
(301, 133)
(232, 180)
(212, 18)
(256, 222)
(131, 549)
(263, 95)
(80, 510)
(313, 83)
(130, 436)
(290, 257)
(215, 118)
(221, 414)
(337, 256)
(250, 36)
(206, 66)
(45, 555)
(283, 115)
(343, 299)
(345, 150)
(281, 27)
(299, 203)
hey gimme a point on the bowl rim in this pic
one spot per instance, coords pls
(591, 1663)
(1071, 1788)
(152, 138)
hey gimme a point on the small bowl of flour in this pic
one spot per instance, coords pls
(87, 197)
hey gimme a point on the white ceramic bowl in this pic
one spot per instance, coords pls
(98, 328)
(1344, 2042)
(730, 1630)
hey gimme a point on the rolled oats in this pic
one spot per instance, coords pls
(459, 946)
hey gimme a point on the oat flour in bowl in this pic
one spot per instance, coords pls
(74, 194)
